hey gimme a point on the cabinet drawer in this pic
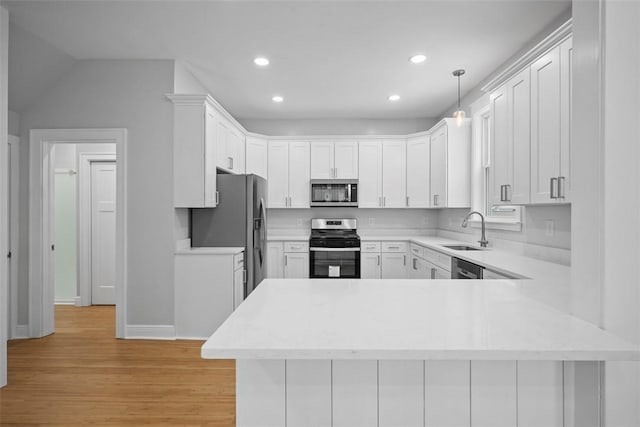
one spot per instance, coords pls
(296, 246)
(370, 246)
(394, 247)
(417, 250)
(437, 258)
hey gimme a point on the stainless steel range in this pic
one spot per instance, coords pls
(334, 249)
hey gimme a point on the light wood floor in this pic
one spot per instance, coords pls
(82, 375)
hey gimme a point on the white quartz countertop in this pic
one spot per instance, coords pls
(406, 319)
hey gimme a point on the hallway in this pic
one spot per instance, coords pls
(82, 375)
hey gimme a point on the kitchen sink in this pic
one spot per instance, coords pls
(461, 248)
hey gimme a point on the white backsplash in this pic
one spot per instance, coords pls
(532, 241)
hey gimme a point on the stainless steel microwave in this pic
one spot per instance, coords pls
(334, 192)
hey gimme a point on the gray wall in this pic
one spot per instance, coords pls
(121, 94)
(336, 126)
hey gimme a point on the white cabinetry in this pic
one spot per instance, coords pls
(383, 173)
(275, 260)
(509, 172)
(394, 260)
(208, 287)
(256, 156)
(418, 152)
(550, 125)
(429, 264)
(231, 150)
(370, 260)
(334, 159)
(194, 151)
(450, 170)
(289, 174)
(296, 260)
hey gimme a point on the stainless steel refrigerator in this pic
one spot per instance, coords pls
(239, 220)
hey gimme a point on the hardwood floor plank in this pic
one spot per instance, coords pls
(82, 375)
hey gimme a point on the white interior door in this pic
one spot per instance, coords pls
(12, 234)
(103, 232)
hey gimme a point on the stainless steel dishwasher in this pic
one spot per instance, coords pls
(461, 269)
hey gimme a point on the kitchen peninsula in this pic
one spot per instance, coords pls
(411, 352)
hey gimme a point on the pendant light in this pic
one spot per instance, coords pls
(459, 114)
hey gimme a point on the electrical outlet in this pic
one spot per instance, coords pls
(371, 221)
(299, 222)
(548, 228)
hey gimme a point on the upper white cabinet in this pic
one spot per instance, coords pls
(509, 165)
(383, 173)
(551, 125)
(194, 151)
(418, 176)
(450, 170)
(289, 174)
(256, 156)
(230, 146)
(334, 159)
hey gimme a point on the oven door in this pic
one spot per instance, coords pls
(338, 263)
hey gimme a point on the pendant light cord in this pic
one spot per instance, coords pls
(458, 92)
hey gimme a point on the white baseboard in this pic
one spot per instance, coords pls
(150, 332)
(22, 332)
(65, 301)
(78, 302)
(192, 338)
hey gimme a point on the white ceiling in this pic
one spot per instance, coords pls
(329, 59)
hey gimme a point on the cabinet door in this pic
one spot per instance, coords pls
(434, 271)
(370, 174)
(235, 150)
(238, 287)
(394, 266)
(278, 174)
(439, 168)
(296, 265)
(418, 172)
(275, 260)
(545, 127)
(256, 156)
(222, 145)
(394, 173)
(345, 159)
(418, 269)
(566, 86)
(210, 175)
(519, 137)
(299, 174)
(322, 160)
(500, 147)
(370, 265)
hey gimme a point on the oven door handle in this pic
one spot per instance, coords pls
(334, 249)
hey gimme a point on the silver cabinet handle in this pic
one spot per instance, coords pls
(404, 260)
(436, 199)
(561, 187)
(230, 159)
(433, 273)
(393, 247)
(384, 201)
(414, 263)
(244, 276)
(335, 173)
(553, 183)
(380, 201)
(285, 260)
(217, 197)
(378, 259)
(507, 196)
(407, 201)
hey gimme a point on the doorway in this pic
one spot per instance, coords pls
(42, 221)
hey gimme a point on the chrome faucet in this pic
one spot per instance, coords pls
(483, 240)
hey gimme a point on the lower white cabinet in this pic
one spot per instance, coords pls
(394, 266)
(289, 260)
(208, 287)
(429, 264)
(383, 260)
(370, 263)
(296, 265)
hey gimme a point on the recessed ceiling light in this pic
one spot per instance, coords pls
(417, 59)
(393, 97)
(277, 98)
(261, 61)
